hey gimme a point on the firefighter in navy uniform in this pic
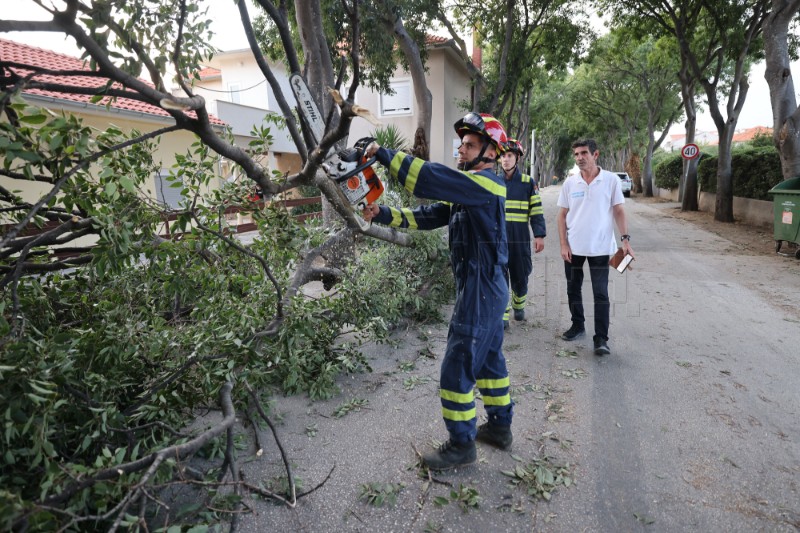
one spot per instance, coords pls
(471, 202)
(523, 206)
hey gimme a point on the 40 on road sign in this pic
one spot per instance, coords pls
(690, 151)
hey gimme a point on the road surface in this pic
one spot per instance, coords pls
(691, 424)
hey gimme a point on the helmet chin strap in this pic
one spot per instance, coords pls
(469, 165)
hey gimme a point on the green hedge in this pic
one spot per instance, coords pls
(667, 171)
(755, 171)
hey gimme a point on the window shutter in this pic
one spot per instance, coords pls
(398, 103)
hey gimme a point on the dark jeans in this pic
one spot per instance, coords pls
(598, 270)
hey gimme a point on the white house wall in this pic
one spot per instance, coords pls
(448, 83)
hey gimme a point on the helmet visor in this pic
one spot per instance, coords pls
(473, 120)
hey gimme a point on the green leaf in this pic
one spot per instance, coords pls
(33, 119)
(127, 184)
(440, 501)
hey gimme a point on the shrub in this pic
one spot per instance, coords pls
(668, 172)
(111, 364)
(754, 172)
(307, 191)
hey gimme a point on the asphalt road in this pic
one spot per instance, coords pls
(691, 424)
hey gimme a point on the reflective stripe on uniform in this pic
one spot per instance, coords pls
(463, 399)
(488, 386)
(488, 184)
(457, 397)
(458, 416)
(517, 211)
(496, 400)
(536, 205)
(402, 218)
(493, 383)
(517, 302)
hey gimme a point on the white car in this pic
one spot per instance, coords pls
(626, 183)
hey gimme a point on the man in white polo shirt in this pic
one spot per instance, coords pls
(589, 204)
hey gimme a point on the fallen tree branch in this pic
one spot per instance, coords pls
(286, 463)
(150, 462)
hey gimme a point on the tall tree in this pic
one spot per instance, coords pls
(717, 40)
(116, 353)
(523, 38)
(778, 51)
(653, 66)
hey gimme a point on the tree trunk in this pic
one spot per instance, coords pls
(785, 113)
(723, 211)
(633, 168)
(502, 68)
(422, 95)
(687, 191)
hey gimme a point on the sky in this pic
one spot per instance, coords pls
(228, 36)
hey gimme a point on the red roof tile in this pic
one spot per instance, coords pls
(47, 59)
(750, 133)
(209, 72)
(435, 39)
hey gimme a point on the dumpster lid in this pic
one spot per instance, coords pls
(790, 186)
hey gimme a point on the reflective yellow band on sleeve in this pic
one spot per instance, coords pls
(493, 383)
(496, 400)
(412, 222)
(397, 217)
(488, 184)
(457, 397)
(458, 416)
(413, 174)
(397, 160)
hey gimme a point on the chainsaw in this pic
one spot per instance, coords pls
(350, 169)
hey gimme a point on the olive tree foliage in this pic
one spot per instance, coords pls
(394, 35)
(631, 83)
(522, 41)
(718, 40)
(779, 50)
(108, 351)
(553, 129)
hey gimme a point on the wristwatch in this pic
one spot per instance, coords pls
(625, 238)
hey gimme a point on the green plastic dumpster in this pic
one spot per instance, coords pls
(786, 207)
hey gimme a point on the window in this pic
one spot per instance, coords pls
(168, 192)
(398, 103)
(234, 90)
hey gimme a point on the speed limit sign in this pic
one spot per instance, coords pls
(690, 151)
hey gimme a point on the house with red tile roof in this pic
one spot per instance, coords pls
(124, 113)
(449, 82)
(236, 91)
(746, 135)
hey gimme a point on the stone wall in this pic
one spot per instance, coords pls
(757, 212)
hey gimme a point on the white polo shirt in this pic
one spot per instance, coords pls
(590, 215)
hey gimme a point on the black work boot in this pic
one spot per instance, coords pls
(601, 346)
(450, 455)
(495, 435)
(519, 315)
(575, 331)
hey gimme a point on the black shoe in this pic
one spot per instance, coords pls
(450, 455)
(601, 346)
(575, 331)
(495, 435)
(506, 325)
(519, 315)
